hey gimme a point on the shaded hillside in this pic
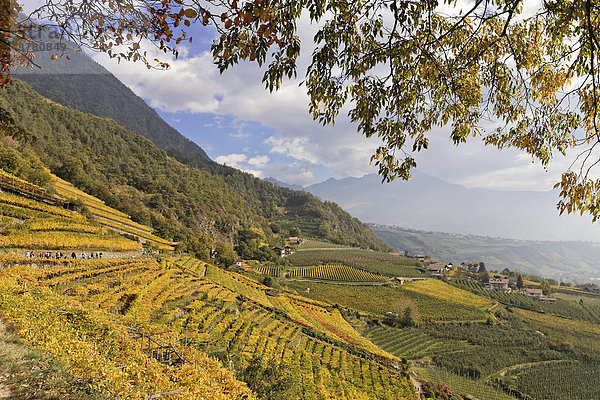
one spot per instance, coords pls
(105, 96)
(567, 261)
(181, 203)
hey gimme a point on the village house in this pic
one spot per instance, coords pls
(531, 292)
(550, 300)
(280, 251)
(471, 266)
(498, 283)
(538, 295)
(400, 279)
(438, 268)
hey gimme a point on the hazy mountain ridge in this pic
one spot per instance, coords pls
(573, 261)
(429, 203)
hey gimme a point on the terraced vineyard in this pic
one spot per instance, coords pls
(78, 315)
(15, 184)
(373, 261)
(270, 270)
(410, 343)
(311, 244)
(336, 273)
(108, 216)
(33, 224)
(444, 291)
(192, 313)
(327, 322)
(382, 299)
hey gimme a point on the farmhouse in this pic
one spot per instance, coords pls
(546, 299)
(438, 268)
(280, 251)
(537, 293)
(498, 283)
(471, 266)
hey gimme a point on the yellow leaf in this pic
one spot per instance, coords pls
(190, 13)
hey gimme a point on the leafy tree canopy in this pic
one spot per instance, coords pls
(514, 77)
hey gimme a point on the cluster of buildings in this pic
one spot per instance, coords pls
(287, 250)
(495, 282)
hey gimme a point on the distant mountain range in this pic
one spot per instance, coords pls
(429, 203)
(576, 262)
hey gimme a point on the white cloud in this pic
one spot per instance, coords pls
(193, 85)
(242, 162)
(240, 135)
(233, 160)
(259, 161)
(298, 148)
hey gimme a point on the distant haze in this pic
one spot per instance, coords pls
(429, 203)
(575, 262)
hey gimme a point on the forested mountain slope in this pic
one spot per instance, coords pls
(180, 202)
